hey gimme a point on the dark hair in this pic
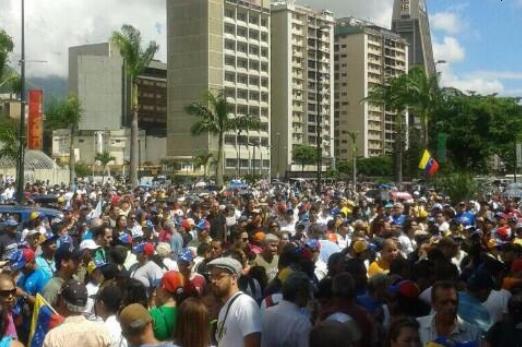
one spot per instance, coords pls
(111, 296)
(99, 231)
(331, 334)
(295, 284)
(118, 254)
(343, 286)
(192, 327)
(135, 292)
(396, 327)
(203, 248)
(442, 285)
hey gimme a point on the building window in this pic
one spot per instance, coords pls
(241, 16)
(231, 162)
(229, 29)
(230, 61)
(230, 77)
(264, 22)
(253, 19)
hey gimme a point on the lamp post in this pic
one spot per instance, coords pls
(21, 136)
(254, 145)
(353, 135)
(278, 135)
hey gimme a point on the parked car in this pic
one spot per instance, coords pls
(22, 213)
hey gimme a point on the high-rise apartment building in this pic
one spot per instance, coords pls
(410, 20)
(97, 76)
(302, 84)
(222, 46)
(366, 56)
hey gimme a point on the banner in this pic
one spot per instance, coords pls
(35, 120)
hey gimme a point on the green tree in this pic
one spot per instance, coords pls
(105, 158)
(8, 141)
(203, 159)
(393, 96)
(65, 114)
(304, 155)
(6, 47)
(136, 59)
(82, 170)
(422, 98)
(458, 186)
(213, 118)
(478, 127)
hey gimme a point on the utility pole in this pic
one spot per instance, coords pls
(353, 136)
(21, 136)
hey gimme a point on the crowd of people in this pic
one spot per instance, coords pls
(271, 265)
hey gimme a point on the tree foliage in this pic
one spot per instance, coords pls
(213, 118)
(65, 114)
(370, 167)
(478, 127)
(458, 186)
(203, 159)
(135, 59)
(304, 155)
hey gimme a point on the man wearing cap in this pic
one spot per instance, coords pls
(146, 270)
(9, 239)
(45, 260)
(137, 327)
(239, 322)
(67, 263)
(32, 279)
(269, 259)
(76, 330)
(169, 294)
(196, 282)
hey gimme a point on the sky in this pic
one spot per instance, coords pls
(478, 39)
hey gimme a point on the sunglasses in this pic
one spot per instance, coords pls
(6, 293)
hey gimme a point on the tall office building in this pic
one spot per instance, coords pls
(410, 20)
(302, 84)
(97, 76)
(222, 46)
(365, 56)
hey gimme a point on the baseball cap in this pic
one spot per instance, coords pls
(146, 248)
(228, 264)
(133, 317)
(20, 258)
(88, 244)
(406, 288)
(125, 239)
(186, 256)
(360, 246)
(203, 225)
(172, 281)
(163, 249)
(74, 293)
(313, 244)
(10, 222)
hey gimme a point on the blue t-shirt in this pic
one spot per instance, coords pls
(472, 311)
(34, 282)
(398, 219)
(48, 267)
(465, 218)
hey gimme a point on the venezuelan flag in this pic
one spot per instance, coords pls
(44, 319)
(428, 164)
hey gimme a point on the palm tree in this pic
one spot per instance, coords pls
(213, 119)
(244, 122)
(393, 95)
(203, 159)
(105, 158)
(66, 114)
(136, 59)
(423, 97)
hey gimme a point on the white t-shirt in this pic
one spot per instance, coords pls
(497, 304)
(243, 319)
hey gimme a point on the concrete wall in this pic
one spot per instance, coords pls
(100, 90)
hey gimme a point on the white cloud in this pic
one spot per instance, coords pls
(52, 26)
(501, 75)
(449, 50)
(449, 22)
(470, 82)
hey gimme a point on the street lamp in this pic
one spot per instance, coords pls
(21, 149)
(353, 135)
(254, 145)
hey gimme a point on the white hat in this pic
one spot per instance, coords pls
(88, 244)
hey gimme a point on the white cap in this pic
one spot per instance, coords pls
(88, 244)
